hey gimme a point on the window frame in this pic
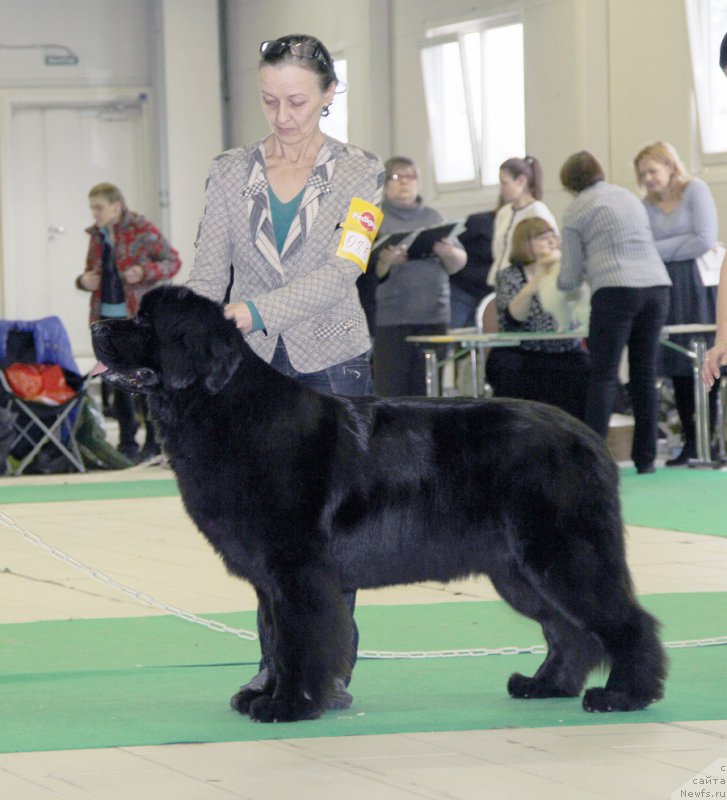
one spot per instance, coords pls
(703, 58)
(455, 33)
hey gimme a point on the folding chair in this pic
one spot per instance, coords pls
(37, 426)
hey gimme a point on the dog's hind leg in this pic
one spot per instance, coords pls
(638, 662)
(595, 595)
(311, 646)
(572, 651)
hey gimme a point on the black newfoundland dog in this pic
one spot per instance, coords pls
(306, 495)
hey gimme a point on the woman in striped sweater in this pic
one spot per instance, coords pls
(607, 243)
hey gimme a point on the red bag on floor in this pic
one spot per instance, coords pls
(43, 383)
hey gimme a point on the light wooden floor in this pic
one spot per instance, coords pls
(150, 544)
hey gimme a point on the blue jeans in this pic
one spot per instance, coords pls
(351, 378)
(622, 316)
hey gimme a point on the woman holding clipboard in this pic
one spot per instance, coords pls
(412, 296)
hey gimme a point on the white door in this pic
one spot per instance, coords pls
(56, 153)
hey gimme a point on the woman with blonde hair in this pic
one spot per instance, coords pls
(551, 371)
(683, 220)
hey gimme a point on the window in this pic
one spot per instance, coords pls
(336, 123)
(707, 25)
(475, 105)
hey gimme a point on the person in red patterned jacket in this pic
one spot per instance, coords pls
(127, 255)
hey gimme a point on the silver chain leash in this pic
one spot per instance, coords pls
(241, 633)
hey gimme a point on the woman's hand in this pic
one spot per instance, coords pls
(240, 312)
(388, 257)
(550, 258)
(90, 281)
(453, 258)
(133, 274)
(714, 359)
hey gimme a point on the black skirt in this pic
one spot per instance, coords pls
(558, 379)
(691, 302)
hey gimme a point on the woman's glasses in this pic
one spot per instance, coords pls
(276, 47)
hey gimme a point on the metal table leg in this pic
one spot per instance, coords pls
(431, 372)
(701, 407)
(475, 372)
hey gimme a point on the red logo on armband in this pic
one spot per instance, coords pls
(367, 220)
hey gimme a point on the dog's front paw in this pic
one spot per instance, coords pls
(241, 700)
(522, 687)
(602, 700)
(271, 709)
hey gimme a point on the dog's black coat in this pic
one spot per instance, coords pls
(306, 495)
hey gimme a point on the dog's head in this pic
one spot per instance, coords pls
(177, 339)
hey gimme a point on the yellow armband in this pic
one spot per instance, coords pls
(362, 223)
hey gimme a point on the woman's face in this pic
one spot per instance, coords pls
(292, 101)
(654, 176)
(543, 244)
(511, 188)
(402, 187)
(105, 214)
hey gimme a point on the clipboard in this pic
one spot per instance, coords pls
(391, 239)
(423, 244)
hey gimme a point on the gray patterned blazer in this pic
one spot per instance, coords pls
(307, 294)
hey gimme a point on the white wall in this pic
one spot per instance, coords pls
(193, 119)
(170, 47)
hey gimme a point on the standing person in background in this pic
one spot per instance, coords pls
(127, 256)
(521, 196)
(607, 243)
(468, 286)
(683, 220)
(412, 298)
(716, 358)
(278, 211)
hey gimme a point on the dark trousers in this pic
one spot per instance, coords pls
(125, 410)
(399, 366)
(352, 378)
(621, 317)
(685, 405)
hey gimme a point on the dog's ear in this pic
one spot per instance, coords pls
(221, 364)
(200, 355)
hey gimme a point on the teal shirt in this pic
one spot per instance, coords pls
(283, 215)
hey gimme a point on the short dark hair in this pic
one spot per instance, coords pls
(580, 171)
(723, 54)
(393, 164)
(305, 51)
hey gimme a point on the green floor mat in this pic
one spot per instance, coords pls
(157, 680)
(690, 500)
(102, 490)
(675, 499)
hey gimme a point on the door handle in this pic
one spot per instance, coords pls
(56, 229)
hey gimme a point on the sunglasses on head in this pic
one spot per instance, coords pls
(278, 47)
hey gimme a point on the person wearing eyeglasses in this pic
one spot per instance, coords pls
(412, 295)
(278, 211)
(549, 371)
